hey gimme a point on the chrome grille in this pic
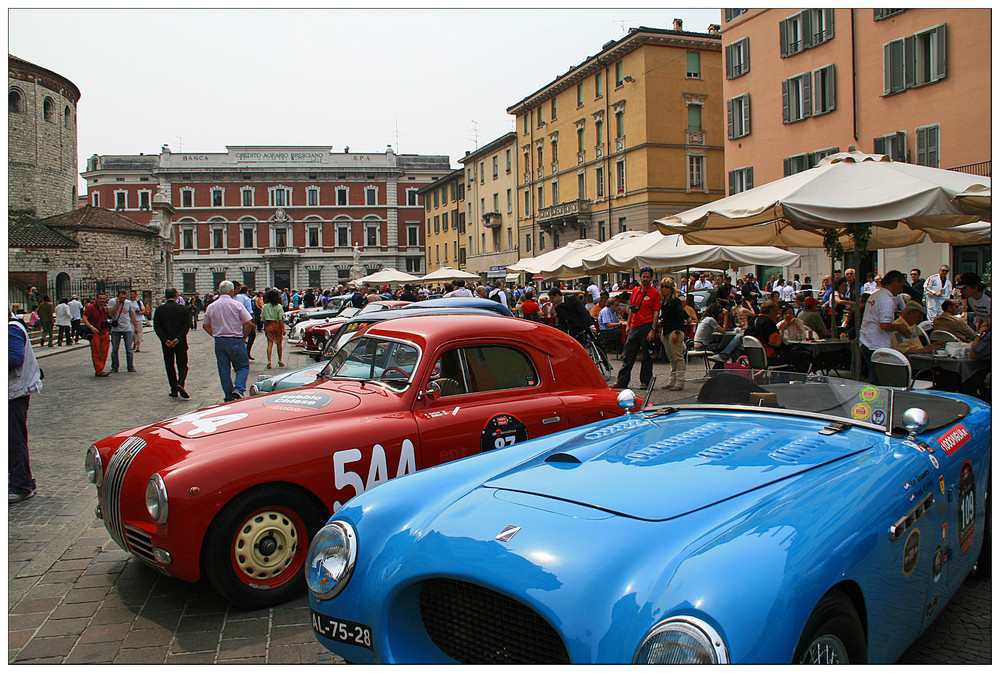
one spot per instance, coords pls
(475, 625)
(140, 543)
(111, 489)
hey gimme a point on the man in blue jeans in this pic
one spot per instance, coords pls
(124, 325)
(228, 321)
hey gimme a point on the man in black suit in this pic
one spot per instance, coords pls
(171, 323)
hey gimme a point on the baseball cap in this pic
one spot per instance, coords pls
(915, 306)
(810, 302)
(968, 278)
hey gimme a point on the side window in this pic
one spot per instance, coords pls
(482, 369)
(498, 368)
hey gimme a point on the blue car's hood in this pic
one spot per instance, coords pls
(687, 461)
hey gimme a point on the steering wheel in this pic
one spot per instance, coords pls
(393, 369)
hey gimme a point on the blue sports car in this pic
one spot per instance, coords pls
(801, 519)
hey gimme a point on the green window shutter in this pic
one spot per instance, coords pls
(922, 147)
(805, 26)
(732, 182)
(784, 102)
(746, 114)
(910, 61)
(941, 66)
(806, 96)
(933, 146)
(788, 167)
(729, 61)
(878, 146)
(730, 105)
(828, 24)
(783, 38)
(746, 54)
(749, 179)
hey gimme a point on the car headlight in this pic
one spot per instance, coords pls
(682, 640)
(156, 499)
(331, 558)
(93, 466)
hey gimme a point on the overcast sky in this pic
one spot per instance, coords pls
(426, 81)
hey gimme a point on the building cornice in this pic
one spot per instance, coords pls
(613, 51)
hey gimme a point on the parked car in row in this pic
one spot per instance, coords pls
(234, 492)
(768, 520)
(340, 332)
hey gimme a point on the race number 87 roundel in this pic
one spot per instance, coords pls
(966, 506)
(503, 430)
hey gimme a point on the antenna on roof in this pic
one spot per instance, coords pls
(621, 24)
(180, 144)
(397, 133)
(475, 134)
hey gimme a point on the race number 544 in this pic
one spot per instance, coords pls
(378, 470)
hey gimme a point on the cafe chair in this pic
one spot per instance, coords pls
(754, 350)
(943, 335)
(893, 370)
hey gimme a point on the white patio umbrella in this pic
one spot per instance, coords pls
(901, 203)
(389, 275)
(898, 200)
(448, 273)
(550, 259)
(661, 251)
(571, 265)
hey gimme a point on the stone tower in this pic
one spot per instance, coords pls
(41, 134)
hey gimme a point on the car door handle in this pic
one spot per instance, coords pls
(549, 421)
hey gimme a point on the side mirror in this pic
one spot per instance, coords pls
(432, 393)
(915, 420)
(626, 400)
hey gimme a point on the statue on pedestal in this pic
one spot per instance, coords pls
(357, 271)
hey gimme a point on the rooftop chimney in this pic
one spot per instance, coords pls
(714, 28)
(678, 24)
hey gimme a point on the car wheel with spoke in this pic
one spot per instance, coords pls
(832, 634)
(256, 547)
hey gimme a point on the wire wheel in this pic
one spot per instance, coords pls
(826, 650)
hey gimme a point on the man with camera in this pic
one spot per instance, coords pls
(643, 320)
(95, 319)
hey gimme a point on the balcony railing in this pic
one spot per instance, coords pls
(983, 168)
(564, 210)
(285, 251)
(492, 219)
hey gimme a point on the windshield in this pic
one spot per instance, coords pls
(375, 359)
(853, 401)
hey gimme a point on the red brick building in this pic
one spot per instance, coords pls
(275, 216)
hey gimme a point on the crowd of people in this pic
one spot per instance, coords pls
(640, 317)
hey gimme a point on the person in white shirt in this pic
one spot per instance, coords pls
(879, 320)
(64, 322)
(937, 288)
(871, 285)
(702, 284)
(75, 314)
(595, 292)
(787, 293)
(460, 290)
(498, 294)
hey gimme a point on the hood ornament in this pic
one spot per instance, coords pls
(507, 533)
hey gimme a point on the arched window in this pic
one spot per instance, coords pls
(68, 117)
(49, 110)
(15, 102)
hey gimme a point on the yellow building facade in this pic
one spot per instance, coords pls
(444, 221)
(633, 133)
(490, 241)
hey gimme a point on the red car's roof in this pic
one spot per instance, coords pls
(436, 328)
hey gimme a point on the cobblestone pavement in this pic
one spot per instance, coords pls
(75, 597)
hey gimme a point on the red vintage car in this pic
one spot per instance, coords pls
(235, 492)
(309, 333)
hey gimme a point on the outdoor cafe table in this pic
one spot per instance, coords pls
(964, 367)
(816, 347)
